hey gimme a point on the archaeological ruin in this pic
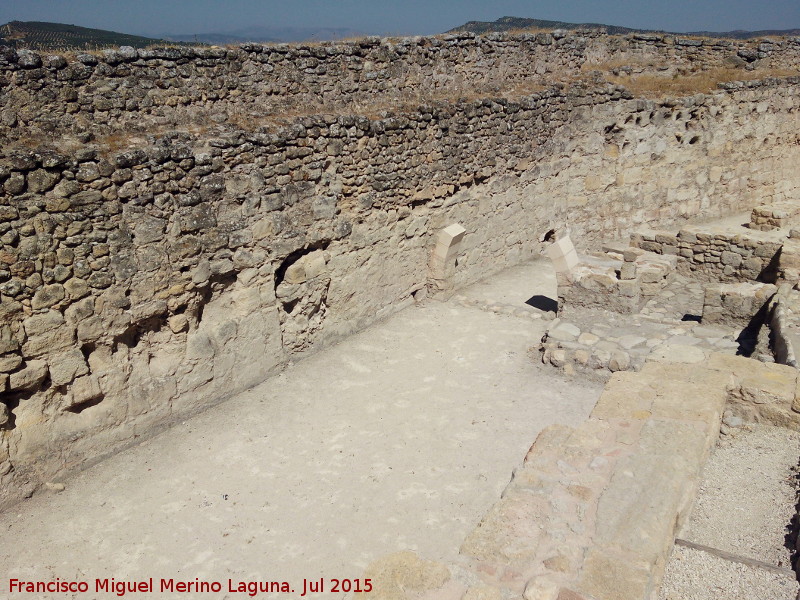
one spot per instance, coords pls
(181, 224)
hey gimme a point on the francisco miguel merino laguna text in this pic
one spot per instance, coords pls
(147, 586)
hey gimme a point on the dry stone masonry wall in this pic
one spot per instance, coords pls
(147, 278)
(150, 89)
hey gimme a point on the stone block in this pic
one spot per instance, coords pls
(178, 323)
(442, 260)
(29, 377)
(561, 246)
(65, 366)
(627, 271)
(48, 296)
(295, 273)
(566, 262)
(49, 341)
(452, 234)
(84, 389)
(541, 588)
(44, 322)
(606, 576)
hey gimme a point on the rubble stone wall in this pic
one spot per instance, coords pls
(150, 89)
(141, 283)
(716, 256)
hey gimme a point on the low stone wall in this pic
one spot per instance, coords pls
(715, 256)
(773, 216)
(737, 304)
(606, 283)
(607, 497)
(763, 392)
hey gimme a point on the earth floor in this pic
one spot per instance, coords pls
(400, 437)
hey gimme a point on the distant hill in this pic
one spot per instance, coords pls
(512, 23)
(515, 23)
(741, 34)
(267, 34)
(39, 35)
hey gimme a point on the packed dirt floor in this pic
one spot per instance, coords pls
(400, 437)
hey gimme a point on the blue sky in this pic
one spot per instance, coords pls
(152, 17)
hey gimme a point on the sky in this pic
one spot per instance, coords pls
(397, 17)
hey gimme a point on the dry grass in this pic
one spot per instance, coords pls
(637, 62)
(521, 30)
(652, 85)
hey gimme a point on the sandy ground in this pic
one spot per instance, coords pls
(400, 437)
(745, 504)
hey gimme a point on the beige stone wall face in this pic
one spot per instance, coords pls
(139, 286)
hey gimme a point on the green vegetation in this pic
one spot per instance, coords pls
(39, 35)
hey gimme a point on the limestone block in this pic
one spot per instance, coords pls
(452, 234)
(607, 576)
(9, 362)
(627, 270)
(47, 296)
(567, 262)
(541, 588)
(91, 329)
(49, 341)
(178, 323)
(29, 377)
(676, 353)
(296, 273)
(44, 322)
(562, 253)
(83, 390)
(315, 264)
(636, 512)
(442, 261)
(65, 366)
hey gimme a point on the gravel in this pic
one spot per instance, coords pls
(745, 504)
(697, 575)
(747, 495)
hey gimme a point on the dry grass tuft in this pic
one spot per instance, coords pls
(653, 85)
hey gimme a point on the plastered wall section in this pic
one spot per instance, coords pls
(139, 286)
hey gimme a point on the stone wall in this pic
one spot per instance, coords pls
(153, 90)
(144, 282)
(716, 256)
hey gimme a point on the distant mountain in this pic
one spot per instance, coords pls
(268, 34)
(742, 34)
(40, 35)
(516, 23)
(512, 23)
